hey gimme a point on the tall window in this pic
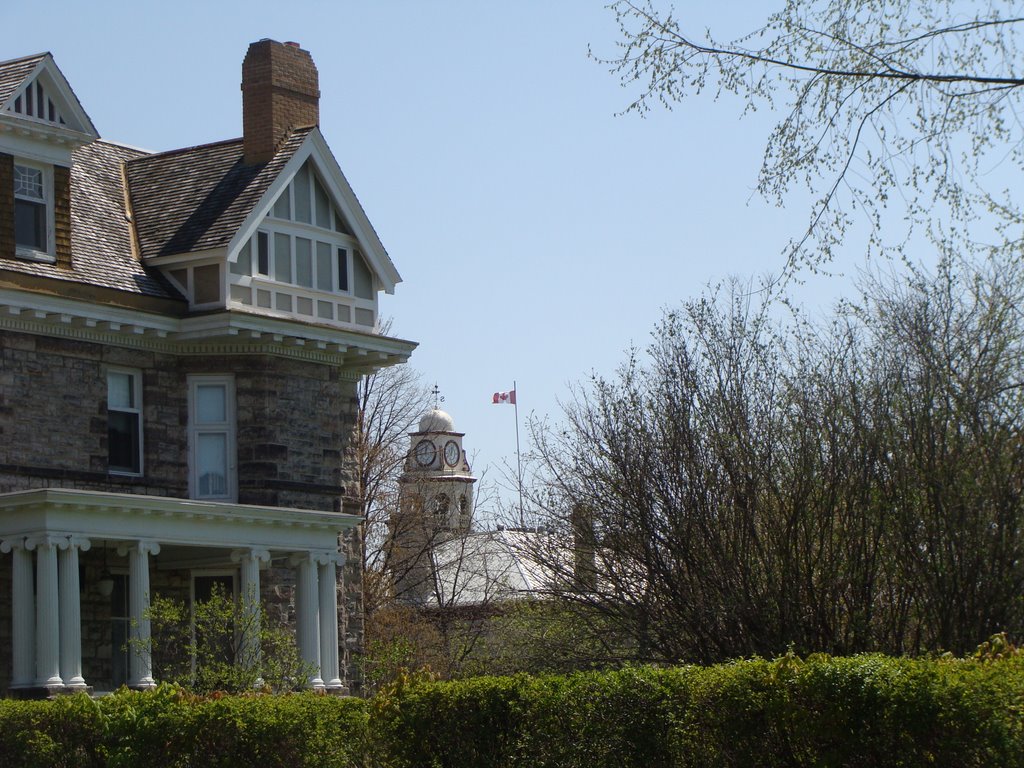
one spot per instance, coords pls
(31, 205)
(212, 438)
(119, 625)
(124, 421)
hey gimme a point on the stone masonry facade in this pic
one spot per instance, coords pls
(294, 421)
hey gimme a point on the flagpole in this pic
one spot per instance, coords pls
(519, 461)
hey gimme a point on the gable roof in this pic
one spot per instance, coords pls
(372, 246)
(101, 243)
(14, 72)
(196, 198)
(314, 150)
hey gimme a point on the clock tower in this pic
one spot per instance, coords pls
(435, 503)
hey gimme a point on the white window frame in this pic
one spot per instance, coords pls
(28, 252)
(293, 230)
(136, 384)
(228, 428)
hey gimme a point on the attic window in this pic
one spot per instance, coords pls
(304, 260)
(30, 208)
(306, 201)
(34, 102)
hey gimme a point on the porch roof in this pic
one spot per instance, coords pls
(187, 522)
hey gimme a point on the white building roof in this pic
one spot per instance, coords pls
(491, 566)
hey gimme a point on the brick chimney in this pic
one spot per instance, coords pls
(280, 93)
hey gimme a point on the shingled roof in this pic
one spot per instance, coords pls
(197, 198)
(14, 72)
(184, 200)
(101, 247)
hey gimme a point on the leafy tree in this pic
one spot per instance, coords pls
(223, 645)
(883, 103)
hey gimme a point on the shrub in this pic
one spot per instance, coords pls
(221, 646)
(170, 727)
(67, 731)
(859, 711)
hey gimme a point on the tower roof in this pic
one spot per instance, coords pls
(437, 420)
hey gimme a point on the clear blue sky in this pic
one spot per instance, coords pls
(538, 234)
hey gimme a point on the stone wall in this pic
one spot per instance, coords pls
(294, 422)
(53, 417)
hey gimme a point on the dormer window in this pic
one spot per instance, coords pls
(32, 185)
(304, 260)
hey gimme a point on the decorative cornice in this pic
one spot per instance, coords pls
(37, 130)
(222, 333)
(164, 506)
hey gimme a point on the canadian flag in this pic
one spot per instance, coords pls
(508, 398)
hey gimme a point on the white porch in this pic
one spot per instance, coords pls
(45, 531)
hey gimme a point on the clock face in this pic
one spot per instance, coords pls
(452, 453)
(425, 452)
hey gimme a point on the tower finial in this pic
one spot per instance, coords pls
(438, 398)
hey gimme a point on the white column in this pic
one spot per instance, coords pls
(328, 579)
(23, 615)
(249, 561)
(307, 607)
(71, 614)
(47, 611)
(140, 660)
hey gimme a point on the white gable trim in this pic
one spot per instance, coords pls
(315, 148)
(76, 121)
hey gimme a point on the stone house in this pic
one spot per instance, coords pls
(181, 335)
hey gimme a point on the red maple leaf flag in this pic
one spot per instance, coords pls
(506, 398)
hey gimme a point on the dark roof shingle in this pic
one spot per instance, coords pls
(197, 198)
(101, 246)
(181, 201)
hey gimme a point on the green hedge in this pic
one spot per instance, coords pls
(168, 728)
(863, 711)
